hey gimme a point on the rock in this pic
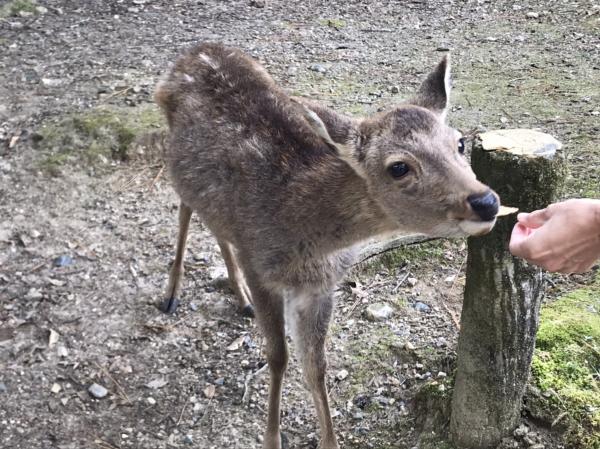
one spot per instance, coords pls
(41, 9)
(156, 383)
(34, 294)
(342, 374)
(52, 82)
(378, 312)
(3, 388)
(188, 439)
(55, 388)
(395, 89)
(441, 375)
(318, 68)
(421, 307)
(97, 391)
(63, 261)
(521, 431)
(412, 281)
(532, 15)
(409, 346)
(537, 446)
(450, 279)
(150, 400)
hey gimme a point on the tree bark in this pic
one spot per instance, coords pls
(502, 294)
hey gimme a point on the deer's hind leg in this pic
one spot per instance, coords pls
(237, 277)
(170, 303)
(309, 314)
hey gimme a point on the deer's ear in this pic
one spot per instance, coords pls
(434, 93)
(345, 151)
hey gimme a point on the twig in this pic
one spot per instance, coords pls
(401, 282)
(249, 377)
(156, 178)
(105, 444)
(558, 419)
(114, 94)
(121, 390)
(181, 414)
(445, 296)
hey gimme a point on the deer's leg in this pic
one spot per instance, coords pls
(309, 316)
(237, 278)
(170, 303)
(270, 318)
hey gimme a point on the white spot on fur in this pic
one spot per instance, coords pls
(187, 78)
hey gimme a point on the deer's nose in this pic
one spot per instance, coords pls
(486, 205)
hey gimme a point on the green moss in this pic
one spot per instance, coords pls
(567, 363)
(14, 7)
(102, 133)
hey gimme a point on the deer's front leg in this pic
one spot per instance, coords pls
(309, 314)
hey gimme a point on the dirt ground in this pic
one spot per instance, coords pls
(194, 379)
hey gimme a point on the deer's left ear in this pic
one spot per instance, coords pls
(434, 93)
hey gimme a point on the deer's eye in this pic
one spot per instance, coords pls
(398, 170)
(461, 145)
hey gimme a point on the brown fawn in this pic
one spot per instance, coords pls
(290, 189)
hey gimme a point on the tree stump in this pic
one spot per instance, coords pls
(502, 294)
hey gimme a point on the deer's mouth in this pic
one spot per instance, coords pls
(476, 227)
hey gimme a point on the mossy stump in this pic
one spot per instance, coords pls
(503, 294)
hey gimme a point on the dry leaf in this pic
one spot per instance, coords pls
(210, 391)
(236, 344)
(506, 210)
(53, 338)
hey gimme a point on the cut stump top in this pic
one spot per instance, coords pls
(522, 142)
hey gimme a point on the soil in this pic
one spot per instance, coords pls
(85, 247)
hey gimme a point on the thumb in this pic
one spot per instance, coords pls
(534, 219)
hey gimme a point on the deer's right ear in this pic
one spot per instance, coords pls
(345, 152)
(434, 93)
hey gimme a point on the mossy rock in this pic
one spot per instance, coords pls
(566, 367)
(98, 135)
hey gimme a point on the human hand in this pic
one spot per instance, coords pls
(564, 237)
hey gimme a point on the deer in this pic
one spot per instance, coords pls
(291, 189)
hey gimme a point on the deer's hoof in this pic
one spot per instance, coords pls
(169, 305)
(248, 311)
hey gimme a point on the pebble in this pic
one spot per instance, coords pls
(97, 391)
(395, 89)
(3, 388)
(150, 400)
(421, 307)
(412, 281)
(62, 261)
(318, 68)
(521, 431)
(537, 446)
(532, 15)
(188, 439)
(409, 346)
(441, 375)
(33, 294)
(55, 388)
(450, 279)
(342, 374)
(378, 311)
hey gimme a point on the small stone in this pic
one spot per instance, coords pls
(150, 400)
(379, 312)
(62, 351)
(442, 375)
(412, 281)
(188, 439)
(55, 388)
(532, 15)
(537, 446)
(34, 294)
(3, 388)
(52, 82)
(450, 279)
(318, 68)
(194, 306)
(521, 431)
(418, 365)
(395, 89)
(156, 383)
(62, 261)
(503, 119)
(441, 388)
(342, 374)
(421, 307)
(409, 346)
(97, 391)
(41, 9)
